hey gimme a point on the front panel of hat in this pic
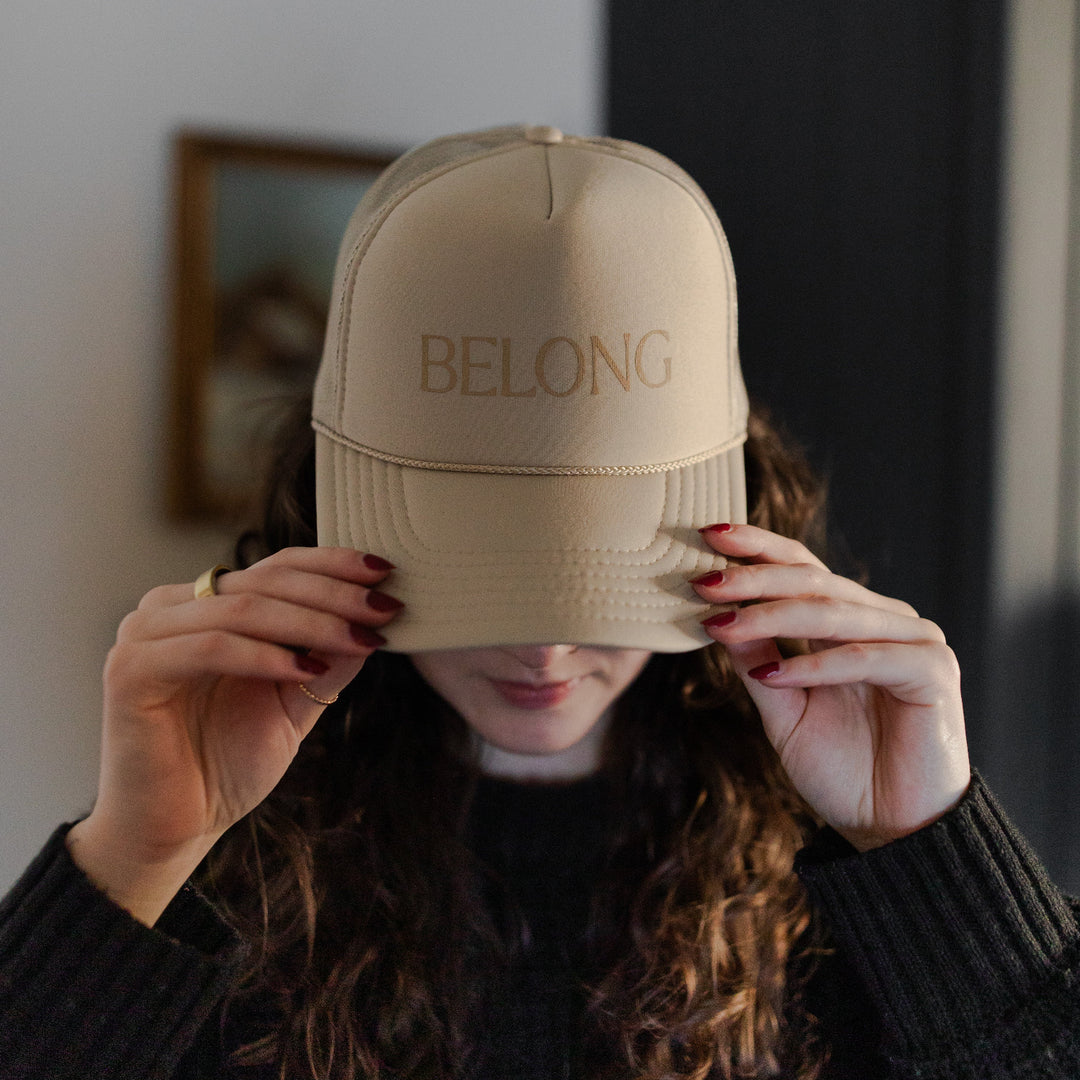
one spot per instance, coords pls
(542, 307)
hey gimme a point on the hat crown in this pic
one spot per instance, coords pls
(515, 304)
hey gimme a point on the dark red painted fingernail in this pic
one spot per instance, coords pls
(764, 671)
(379, 601)
(725, 618)
(364, 635)
(721, 528)
(709, 580)
(374, 562)
(310, 665)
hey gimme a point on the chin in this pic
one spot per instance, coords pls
(541, 757)
(534, 744)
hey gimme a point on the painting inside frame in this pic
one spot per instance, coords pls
(258, 226)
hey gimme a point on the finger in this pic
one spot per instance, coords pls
(819, 618)
(780, 706)
(217, 654)
(329, 566)
(309, 696)
(340, 562)
(761, 581)
(263, 618)
(757, 545)
(335, 565)
(316, 592)
(922, 674)
(167, 661)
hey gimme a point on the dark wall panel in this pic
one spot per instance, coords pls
(851, 149)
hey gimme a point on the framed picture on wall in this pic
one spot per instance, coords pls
(258, 222)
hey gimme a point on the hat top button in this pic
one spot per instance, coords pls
(542, 133)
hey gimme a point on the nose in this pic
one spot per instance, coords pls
(539, 657)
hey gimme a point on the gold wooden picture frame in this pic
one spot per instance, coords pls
(257, 226)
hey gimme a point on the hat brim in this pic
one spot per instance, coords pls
(490, 559)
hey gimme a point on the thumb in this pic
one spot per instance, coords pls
(780, 707)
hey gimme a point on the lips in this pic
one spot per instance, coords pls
(524, 695)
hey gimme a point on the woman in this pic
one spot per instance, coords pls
(542, 764)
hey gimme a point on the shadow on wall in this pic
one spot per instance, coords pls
(1028, 745)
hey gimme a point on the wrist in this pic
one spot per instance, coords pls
(141, 881)
(868, 838)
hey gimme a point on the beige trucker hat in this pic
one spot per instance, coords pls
(529, 399)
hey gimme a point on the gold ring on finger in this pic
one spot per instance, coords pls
(206, 582)
(315, 697)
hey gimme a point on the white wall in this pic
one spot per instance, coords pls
(1030, 738)
(1035, 251)
(89, 93)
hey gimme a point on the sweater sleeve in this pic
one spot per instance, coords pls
(88, 991)
(967, 950)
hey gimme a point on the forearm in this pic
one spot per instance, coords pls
(965, 947)
(86, 990)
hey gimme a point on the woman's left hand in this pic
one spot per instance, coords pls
(868, 722)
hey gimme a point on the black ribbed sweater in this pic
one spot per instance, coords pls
(955, 958)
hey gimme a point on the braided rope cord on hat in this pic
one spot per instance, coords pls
(530, 470)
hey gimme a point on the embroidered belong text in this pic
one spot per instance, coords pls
(480, 366)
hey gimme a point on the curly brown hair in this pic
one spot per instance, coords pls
(373, 956)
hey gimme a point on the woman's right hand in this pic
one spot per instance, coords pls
(203, 709)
